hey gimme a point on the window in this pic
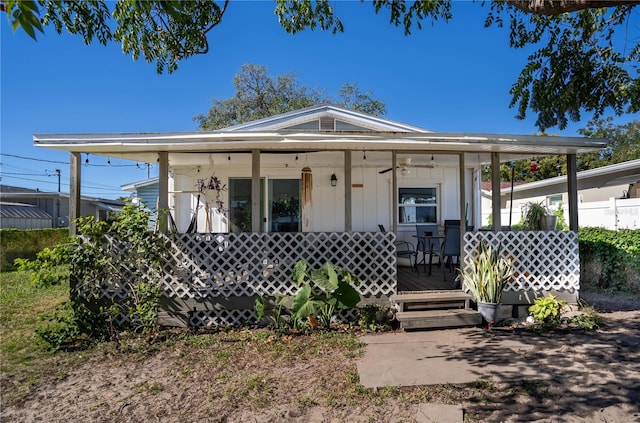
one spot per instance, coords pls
(555, 200)
(417, 205)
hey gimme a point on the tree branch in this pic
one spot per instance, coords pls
(557, 7)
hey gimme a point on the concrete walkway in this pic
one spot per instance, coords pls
(447, 356)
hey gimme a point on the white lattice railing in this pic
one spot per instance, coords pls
(213, 268)
(542, 260)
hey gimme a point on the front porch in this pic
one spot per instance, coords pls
(214, 279)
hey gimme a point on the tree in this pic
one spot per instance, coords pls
(258, 96)
(585, 59)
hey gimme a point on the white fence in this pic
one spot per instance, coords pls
(612, 214)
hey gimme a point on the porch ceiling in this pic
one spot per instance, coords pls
(137, 146)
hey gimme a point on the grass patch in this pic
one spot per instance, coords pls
(25, 359)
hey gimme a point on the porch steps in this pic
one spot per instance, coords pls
(434, 309)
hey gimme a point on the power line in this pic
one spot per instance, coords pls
(66, 163)
(34, 159)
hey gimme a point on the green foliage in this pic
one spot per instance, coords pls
(488, 275)
(547, 310)
(614, 249)
(322, 292)
(534, 217)
(374, 318)
(72, 324)
(579, 62)
(589, 320)
(26, 244)
(259, 95)
(561, 225)
(94, 269)
(576, 65)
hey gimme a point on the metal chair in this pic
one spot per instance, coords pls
(450, 248)
(426, 246)
(404, 249)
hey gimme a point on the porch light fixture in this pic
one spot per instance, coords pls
(334, 180)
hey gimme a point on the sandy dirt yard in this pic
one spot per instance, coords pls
(256, 376)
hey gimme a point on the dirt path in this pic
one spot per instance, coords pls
(291, 379)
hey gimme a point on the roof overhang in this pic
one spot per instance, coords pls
(126, 145)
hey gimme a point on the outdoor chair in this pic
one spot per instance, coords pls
(427, 246)
(449, 249)
(404, 249)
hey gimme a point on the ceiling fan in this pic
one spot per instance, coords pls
(404, 164)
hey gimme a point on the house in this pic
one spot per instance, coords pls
(608, 196)
(315, 183)
(25, 208)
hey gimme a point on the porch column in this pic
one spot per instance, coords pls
(255, 191)
(74, 192)
(463, 196)
(163, 191)
(572, 191)
(394, 194)
(495, 191)
(347, 191)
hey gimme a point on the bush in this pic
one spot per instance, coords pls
(614, 255)
(547, 310)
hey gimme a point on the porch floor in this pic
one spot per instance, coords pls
(411, 280)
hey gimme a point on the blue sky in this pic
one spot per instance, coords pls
(446, 77)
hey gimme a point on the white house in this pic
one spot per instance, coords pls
(316, 183)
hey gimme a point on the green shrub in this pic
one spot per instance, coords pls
(547, 310)
(616, 251)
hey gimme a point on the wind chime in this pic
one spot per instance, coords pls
(307, 185)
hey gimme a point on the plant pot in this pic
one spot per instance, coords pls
(550, 222)
(488, 311)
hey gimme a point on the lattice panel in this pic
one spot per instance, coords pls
(226, 265)
(232, 264)
(542, 260)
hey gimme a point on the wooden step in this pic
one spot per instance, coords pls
(424, 300)
(438, 318)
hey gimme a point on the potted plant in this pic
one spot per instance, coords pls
(539, 218)
(486, 278)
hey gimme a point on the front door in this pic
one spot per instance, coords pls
(284, 205)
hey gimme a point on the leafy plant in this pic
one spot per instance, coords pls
(589, 319)
(322, 292)
(488, 274)
(547, 310)
(615, 250)
(374, 318)
(535, 215)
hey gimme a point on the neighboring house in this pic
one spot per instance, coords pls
(52, 208)
(315, 183)
(608, 196)
(144, 192)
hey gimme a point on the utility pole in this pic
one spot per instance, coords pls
(58, 203)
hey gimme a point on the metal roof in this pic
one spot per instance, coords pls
(22, 211)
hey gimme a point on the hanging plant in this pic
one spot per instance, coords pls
(307, 185)
(213, 183)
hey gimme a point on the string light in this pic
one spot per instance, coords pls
(109, 162)
(229, 157)
(86, 162)
(364, 155)
(296, 157)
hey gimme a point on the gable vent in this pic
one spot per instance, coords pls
(327, 124)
